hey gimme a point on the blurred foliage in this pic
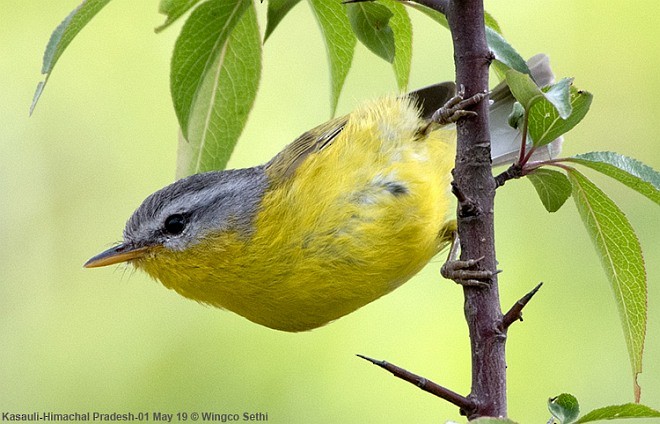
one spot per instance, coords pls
(104, 136)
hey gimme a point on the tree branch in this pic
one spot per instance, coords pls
(466, 405)
(474, 187)
(473, 179)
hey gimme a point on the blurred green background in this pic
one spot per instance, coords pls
(104, 136)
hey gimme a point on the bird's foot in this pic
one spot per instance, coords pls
(455, 108)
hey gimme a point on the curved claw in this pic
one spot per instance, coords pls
(464, 272)
(455, 108)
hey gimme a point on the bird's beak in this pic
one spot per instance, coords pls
(121, 253)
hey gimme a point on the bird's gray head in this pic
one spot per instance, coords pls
(184, 212)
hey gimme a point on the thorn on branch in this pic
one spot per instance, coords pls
(515, 313)
(466, 405)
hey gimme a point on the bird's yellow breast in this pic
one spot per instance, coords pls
(355, 220)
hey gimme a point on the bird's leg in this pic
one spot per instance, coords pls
(455, 108)
(464, 272)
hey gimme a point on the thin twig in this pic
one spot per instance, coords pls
(528, 155)
(465, 404)
(512, 172)
(515, 313)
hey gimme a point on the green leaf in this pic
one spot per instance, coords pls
(500, 69)
(629, 171)
(523, 88)
(564, 408)
(62, 37)
(202, 41)
(339, 41)
(402, 28)
(277, 10)
(613, 412)
(504, 52)
(174, 9)
(492, 22)
(558, 94)
(552, 187)
(371, 24)
(545, 123)
(215, 73)
(621, 256)
(526, 91)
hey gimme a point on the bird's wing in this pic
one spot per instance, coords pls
(282, 166)
(288, 160)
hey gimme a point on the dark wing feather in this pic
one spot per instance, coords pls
(433, 97)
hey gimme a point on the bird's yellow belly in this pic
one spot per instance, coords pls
(347, 234)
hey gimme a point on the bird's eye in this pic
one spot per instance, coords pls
(174, 224)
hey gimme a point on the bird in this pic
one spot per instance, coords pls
(346, 213)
